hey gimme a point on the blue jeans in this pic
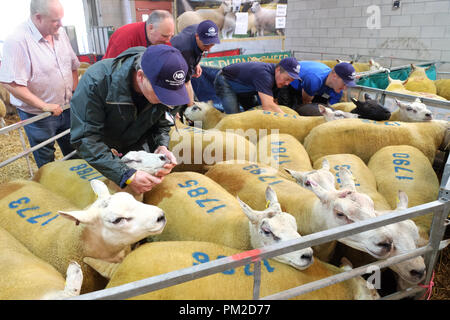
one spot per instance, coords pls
(224, 91)
(43, 130)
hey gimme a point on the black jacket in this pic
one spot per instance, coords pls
(104, 116)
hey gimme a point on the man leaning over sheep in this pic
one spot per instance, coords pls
(158, 29)
(192, 42)
(254, 78)
(126, 104)
(39, 69)
(319, 83)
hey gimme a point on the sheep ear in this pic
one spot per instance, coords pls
(402, 200)
(105, 268)
(320, 192)
(356, 102)
(82, 216)
(325, 164)
(100, 188)
(251, 215)
(271, 196)
(418, 100)
(400, 104)
(297, 175)
(323, 110)
(346, 178)
(390, 79)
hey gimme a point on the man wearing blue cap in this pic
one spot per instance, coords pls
(125, 104)
(192, 42)
(318, 83)
(254, 78)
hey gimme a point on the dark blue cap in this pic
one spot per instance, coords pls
(347, 73)
(291, 66)
(208, 32)
(166, 69)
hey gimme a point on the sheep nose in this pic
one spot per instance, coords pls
(161, 218)
(418, 274)
(307, 257)
(163, 157)
(428, 115)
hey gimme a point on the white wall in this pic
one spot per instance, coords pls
(419, 29)
(13, 13)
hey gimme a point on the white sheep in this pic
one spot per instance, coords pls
(24, 276)
(322, 176)
(375, 66)
(217, 15)
(443, 88)
(273, 225)
(415, 111)
(196, 205)
(145, 161)
(232, 284)
(264, 19)
(328, 210)
(365, 137)
(331, 115)
(418, 80)
(405, 233)
(109, 226)
(271, 122)
(396, 85)
(229, 25)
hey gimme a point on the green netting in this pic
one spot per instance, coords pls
(381, 81)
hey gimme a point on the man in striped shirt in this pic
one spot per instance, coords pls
(39, 69)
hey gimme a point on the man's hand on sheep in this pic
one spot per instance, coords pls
(167, 168)
(143, 182)
(198, 72)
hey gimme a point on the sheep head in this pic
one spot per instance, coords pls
(347, 205)
(115, 221)
(414, 112)
(370, 109)
(145, 161)
(272, 226)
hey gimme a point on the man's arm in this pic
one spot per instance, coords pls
(24, 94)
(306, 97)
(268, 103)
(75, 79)
(190, 92)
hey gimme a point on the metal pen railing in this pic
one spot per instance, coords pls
(440, 208)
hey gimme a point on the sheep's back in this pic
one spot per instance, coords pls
(364, 137)
(30, 214)
(161, 257)
(196, 208)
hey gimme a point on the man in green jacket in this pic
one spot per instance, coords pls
(125, 104)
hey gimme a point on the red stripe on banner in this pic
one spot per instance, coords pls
(252, 253)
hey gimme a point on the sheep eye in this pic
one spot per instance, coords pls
(118, 220)
(195, 108)
(266, 231)
(340, 214)
(408, 109)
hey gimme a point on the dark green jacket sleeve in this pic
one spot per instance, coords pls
(87, 124)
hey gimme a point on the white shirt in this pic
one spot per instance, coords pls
(29, 60)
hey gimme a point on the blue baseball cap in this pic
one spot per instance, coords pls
(208, 32)
(291, 66)
(347, 73)
(166, 69)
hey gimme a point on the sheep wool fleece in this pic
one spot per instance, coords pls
(30, 214)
